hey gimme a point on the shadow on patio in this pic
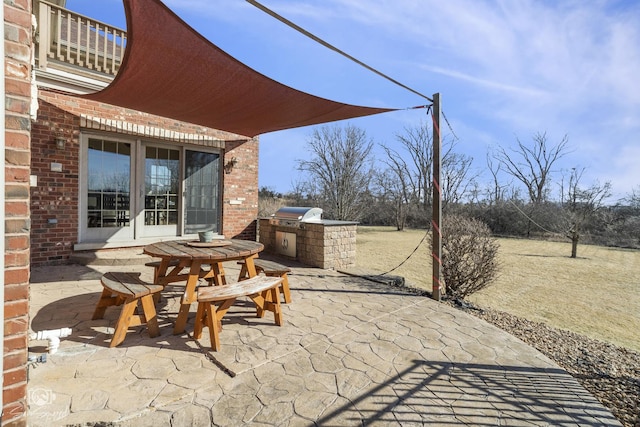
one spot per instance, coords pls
(350, 352)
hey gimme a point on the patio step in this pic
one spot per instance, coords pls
(124, 256)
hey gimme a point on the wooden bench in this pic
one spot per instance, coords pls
(214, 301)
(270, 269)
(127, 289)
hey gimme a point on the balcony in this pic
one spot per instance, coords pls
(74, 52)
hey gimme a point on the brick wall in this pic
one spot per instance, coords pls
(56, 194)
(329, 244)
(17, 42)
(241, 191)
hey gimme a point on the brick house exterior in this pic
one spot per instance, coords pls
(16, 146)
(56, 195)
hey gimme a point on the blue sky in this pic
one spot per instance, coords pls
(504, 69)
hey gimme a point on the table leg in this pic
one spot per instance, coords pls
(250, 266)
(162, 270)
(218, 274)
(168, 275)
(159, 273)
(189, 296)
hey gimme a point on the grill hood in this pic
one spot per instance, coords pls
(292, 216)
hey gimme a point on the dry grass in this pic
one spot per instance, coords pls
(597, 294)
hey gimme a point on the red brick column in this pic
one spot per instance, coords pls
(240, 199)
(17, 65)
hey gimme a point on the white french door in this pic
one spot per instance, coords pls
(161, 189)
(133, 189)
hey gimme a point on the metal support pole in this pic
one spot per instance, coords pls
(436, 217)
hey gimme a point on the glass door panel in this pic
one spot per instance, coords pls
(202, 192)
(108, 208)
(161, 186)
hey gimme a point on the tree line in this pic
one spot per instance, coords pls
(526, 194)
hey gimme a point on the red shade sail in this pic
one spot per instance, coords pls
(170, 70)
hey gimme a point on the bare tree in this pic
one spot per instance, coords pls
(341, 167)
(418, 144)
(392, 191)
(304, 192)
(412, 166)
(397, 183)
(633, 198)
(457, 177)
(582, 204)
(532, 166)
(628, 218)
(495, 190)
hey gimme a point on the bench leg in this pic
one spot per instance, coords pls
(211, 317)
(268, 300)
(275, 306)
(107, 299)
(123, 322)
(201, 319)
(129, 318)
(151, 319)
(215, 275)
(222, 309)
(212, 323)
(260, 300)
(284, 287)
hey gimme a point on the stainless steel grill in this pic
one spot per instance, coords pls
(288, 221)
(293, 216)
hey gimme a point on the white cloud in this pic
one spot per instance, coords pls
(486, 83)
(575, 49)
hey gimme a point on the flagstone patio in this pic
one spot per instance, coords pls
(351, 352)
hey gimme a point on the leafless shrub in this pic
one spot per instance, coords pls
(267, 206)
(468, 256)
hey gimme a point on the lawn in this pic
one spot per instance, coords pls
(596, 294)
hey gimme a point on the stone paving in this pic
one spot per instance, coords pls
(351, 352)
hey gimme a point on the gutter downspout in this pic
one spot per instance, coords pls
(2, 212)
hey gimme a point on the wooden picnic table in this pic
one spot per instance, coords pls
(193, 255)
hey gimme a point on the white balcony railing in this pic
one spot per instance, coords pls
(67, 38)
